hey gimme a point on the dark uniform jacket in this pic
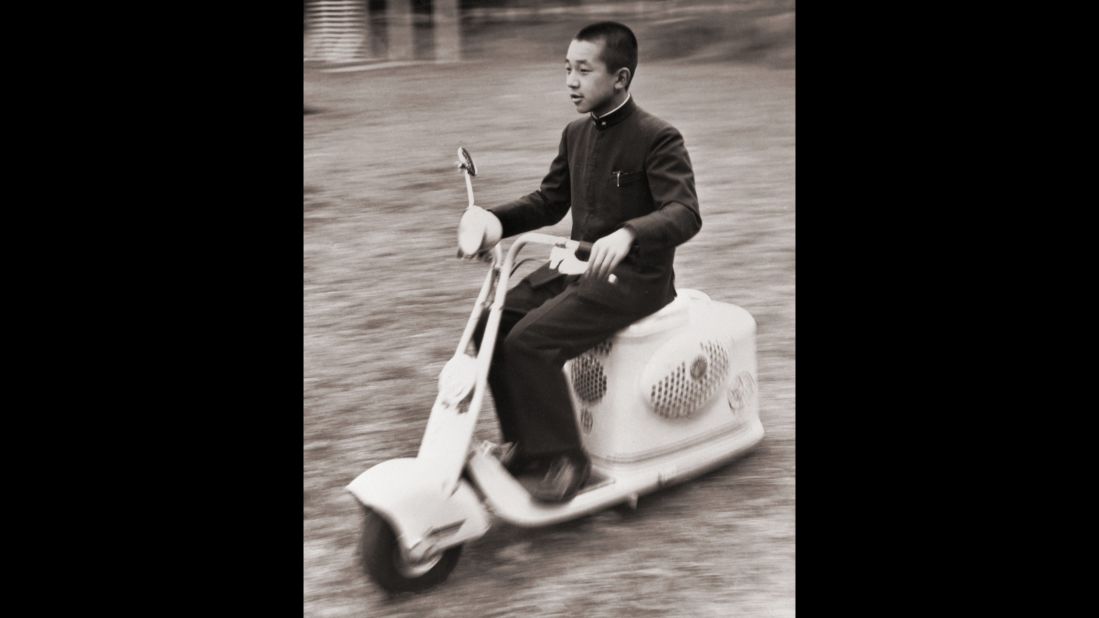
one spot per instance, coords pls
(626, 169)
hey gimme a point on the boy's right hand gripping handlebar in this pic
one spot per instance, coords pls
(571, 261)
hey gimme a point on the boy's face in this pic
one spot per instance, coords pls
(591, 87)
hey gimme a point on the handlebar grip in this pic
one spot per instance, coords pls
(583, 251)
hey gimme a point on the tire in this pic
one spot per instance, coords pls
(383, 562)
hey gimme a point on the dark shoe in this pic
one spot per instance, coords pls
(514, 460)
(565, 476)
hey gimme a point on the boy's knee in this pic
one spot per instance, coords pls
(531, 343)
(519, 342)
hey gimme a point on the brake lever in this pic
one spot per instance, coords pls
(564, 261)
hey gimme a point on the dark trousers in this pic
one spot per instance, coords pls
(542, 326)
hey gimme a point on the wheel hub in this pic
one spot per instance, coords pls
(414, 569)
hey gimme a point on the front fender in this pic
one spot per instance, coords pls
(411, 496)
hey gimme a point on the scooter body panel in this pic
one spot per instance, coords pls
(413, 495)
(446, 440)
(680, 378)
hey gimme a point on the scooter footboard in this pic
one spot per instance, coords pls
(412, 498)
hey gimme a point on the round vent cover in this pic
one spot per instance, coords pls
(741, 391)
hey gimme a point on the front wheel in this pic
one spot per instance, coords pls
(383, 562)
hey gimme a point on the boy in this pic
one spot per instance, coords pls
(628, 179)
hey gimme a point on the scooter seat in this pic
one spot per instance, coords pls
(669, 316)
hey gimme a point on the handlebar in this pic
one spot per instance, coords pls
(569, 264)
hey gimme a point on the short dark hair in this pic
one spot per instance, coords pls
(619, 45)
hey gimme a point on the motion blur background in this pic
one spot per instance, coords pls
(391, 89)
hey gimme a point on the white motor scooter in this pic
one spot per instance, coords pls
(666, 399)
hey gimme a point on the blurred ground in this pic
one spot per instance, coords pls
(385, 301)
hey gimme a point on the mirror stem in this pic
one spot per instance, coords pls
(469, 187)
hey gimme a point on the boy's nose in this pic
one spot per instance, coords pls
(572, 81)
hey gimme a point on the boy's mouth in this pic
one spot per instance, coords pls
(575, 98)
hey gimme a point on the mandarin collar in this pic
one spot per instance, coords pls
(615, 117)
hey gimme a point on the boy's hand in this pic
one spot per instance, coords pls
(607, 253)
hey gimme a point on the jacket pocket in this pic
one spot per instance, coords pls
(621, 179)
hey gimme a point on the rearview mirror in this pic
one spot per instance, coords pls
(465, 161)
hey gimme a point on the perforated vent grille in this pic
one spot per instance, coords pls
(602, 349)
(588, 379)
(688, 386)
(719, 360)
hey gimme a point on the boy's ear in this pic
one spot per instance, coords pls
(622, 76)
